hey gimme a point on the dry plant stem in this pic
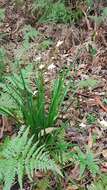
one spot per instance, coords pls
(87, 20)
(4, 124)
(1, 131)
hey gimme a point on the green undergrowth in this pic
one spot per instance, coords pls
(27, 105)
(42, 143)
(49, 11)
(100, 184)
(2, 63)
(23, 99)
(31, 104)
(21, 156)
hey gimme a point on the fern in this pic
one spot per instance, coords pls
(21, 157)
(97, 186)
(88, 83)
(86, 161)
(49, 11)
(29, 34)
(60, 150)
(100, 184)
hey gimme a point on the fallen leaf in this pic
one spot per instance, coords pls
(104, 153)
(71, 188)
(98, 102)
(90, 139)
(104, 167)
(75, 172)
(39, 174)
(48, 130)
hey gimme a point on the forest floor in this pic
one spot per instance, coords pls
(75, 48)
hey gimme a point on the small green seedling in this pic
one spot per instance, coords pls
(92, 50)
(86, 161)
(45, 44)
(105, 101)
(91, 118)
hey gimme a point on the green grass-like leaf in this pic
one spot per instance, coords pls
(2, 14)
(32, 107)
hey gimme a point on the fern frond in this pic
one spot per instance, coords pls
(22, 157)
(100, 184)
(20, 172)
(7, 171)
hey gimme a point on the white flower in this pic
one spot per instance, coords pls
(41, 66)
(103, 123)
(59, 43)
(35, 92)
(37, 58)
(82, 125)
(51, 67)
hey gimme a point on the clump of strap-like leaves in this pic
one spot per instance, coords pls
(32, 105)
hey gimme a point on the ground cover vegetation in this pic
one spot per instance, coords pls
(53, 95)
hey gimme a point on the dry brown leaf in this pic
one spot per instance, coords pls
(98, 102)
(71, 187)
(38, 174)
(104, 153)
(48, 130)
(90, 139)
(75, 172)
(104, 167)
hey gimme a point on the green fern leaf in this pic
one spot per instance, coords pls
(20, 156)
(20, 172)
